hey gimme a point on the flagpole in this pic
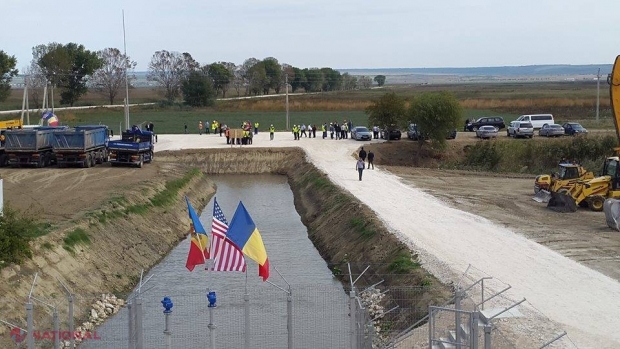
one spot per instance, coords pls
(246, 298)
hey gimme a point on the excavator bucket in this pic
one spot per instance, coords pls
(612, 213)
(561, 202)
(542, 196)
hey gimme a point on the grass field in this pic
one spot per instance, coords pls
(568, 101)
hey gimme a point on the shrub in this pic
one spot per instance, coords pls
(16, 232)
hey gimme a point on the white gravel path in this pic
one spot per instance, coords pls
(584, 302)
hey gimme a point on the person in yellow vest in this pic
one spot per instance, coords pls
(272, 130)
(256, 128)
(324, 130)
(200, 127)
(214, 126)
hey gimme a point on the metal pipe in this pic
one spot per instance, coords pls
(505, 310)
(167, 330)
(131, 316)
(361, 274)
(487, 336)
(553, 340)
(495, 295)
(246, 299)
(211, 327)
(56, 329)
(139, 328)
(289, 318)
(30, 324)
(457, 317)
(352, 324)
(71, 323)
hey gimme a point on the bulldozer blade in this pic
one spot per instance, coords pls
(542, 196)
(562, 202)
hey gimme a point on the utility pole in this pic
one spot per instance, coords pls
(126, 80)
(287, 119)
(598, 92)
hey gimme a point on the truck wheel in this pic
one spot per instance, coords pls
(151, 156)
(87, 161)
(141, 161)
(596, 203)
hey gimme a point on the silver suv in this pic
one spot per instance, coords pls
(520, 129)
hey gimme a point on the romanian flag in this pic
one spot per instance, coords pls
(243, 232)
(198, 248)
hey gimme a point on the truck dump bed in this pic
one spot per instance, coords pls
(29, 140)
(80, 139)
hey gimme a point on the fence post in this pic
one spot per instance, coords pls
(139, 328)
(30, 323)
(289, 317)
(131, 316)
(56, 329)
(353, 313)
(71, 324)
(487, 336)
(473, 330)
(458, 296)
(431, 327)
(246, 302)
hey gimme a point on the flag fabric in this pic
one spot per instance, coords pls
(226, 256)
(198, 252)
(244, 234)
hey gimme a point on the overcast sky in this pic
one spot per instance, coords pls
(326, 33)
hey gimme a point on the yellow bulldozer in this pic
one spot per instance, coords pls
(595, 191)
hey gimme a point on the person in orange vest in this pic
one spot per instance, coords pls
(200, 127)
(227, 133)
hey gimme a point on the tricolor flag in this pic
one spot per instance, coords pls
(51, 118)
(198, 252)
(244, 234)
(226, 256)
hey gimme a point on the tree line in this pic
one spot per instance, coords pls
(74, 70)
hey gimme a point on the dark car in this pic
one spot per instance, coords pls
(415, 134)
(496, 121)
(390, 133)
(573, 129)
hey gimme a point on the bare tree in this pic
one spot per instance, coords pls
(238, 82)
(109, 79)
(169, 69)
(365, 82)
(35, 80)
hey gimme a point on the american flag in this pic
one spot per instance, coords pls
(227, 257)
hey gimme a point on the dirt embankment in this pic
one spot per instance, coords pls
(125, 238)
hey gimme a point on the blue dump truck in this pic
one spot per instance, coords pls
(83, 146)
(30, 147)
(135, 148)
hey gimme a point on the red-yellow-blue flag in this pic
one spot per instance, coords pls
(198, 251)
(243, 233)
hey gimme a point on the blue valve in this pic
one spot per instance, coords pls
(167, 304)
(211, 297)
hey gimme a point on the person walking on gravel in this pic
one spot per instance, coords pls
(371, 158)
(359, 166)
(362, 154)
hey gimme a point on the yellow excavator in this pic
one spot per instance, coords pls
(595, 191)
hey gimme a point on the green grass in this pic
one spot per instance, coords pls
(37, 229)
(361, 227)
(75, 237)
(403, 263)
(169, 194)
(47, 246)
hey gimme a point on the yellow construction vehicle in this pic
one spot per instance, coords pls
(564, 179)
(9, 124)
(595, 191)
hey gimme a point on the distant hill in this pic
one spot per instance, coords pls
(507, 71)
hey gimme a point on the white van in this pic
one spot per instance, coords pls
(537, 120)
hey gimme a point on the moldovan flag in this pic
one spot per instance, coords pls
(243, 232)
(198, 251)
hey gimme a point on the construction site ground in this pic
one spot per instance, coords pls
(506, 199)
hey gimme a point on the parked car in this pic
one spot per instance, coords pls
(553, 130)
(414, 133)
(391, 133)
(486, 132)
(496, 121)
(537, 120)
(361, 133)
(520, 129)
(573, 129)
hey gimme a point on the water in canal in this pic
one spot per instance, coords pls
(320, 309)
